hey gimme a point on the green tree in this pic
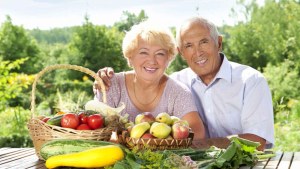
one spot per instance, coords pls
(53, 36)
(11, 82)
(130, 19)
(266, 36)
(284, 82)
(16, 44)
(97, 47)
(177, 64)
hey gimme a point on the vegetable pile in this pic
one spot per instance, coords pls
(240, 152)
(87, 153)
(95, 115)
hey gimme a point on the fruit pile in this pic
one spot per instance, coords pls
(163, 126)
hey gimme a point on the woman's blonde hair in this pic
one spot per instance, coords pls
(151, 33)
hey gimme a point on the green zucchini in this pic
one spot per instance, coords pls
(65, 146)
(55, 120)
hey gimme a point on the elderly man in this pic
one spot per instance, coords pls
(232, 99)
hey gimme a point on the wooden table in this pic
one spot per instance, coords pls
(20, 158)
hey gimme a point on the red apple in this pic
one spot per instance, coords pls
(182, 122)
(147, 136)
(180, 131)
(145, 117)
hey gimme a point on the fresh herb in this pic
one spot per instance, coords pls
(239, 152)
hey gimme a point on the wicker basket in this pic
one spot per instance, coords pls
(155, 143)
(41, 132)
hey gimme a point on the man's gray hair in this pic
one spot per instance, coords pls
(214, 33)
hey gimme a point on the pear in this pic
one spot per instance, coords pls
(164, 118)
(160, 130)
(129, 124)
(139, 129)
(174, 119)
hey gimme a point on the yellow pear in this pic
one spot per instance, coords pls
(139, 129)
(164, 118)
(160, 130)
(174, 119)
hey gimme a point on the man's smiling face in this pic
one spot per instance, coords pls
(200, 50)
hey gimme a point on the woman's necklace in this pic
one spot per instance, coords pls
(149, 103)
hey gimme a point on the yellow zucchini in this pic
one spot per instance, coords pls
(92, 158)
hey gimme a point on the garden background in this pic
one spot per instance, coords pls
(268, 40)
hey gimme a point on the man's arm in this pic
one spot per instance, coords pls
(223, 142)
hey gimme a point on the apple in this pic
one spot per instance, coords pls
(180, 131)
(147, 136)
(145, 117)
(182, 122)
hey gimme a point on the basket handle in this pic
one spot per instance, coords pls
(65, 66)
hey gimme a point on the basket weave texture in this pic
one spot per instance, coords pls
(41, 132)
(155, 143)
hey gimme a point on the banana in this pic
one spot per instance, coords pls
(139, 129)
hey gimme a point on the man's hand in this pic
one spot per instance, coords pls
(105, 74)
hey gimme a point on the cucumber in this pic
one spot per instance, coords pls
(246, 142)
(55, 120)
(65, 146)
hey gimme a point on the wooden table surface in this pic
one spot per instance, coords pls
(20, 158)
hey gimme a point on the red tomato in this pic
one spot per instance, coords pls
(95, 121)
(83, 118)
(70, 120)
(83, 127)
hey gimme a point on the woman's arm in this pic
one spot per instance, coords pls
(196, 124)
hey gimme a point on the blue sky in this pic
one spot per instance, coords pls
(47, 14)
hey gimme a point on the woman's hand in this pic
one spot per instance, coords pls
(105, 74)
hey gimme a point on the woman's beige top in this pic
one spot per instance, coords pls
(176, 98)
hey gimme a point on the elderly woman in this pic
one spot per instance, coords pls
(149, 49)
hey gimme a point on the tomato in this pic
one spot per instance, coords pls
(95, 121)
(82, 118)
(70, 120)
(83, 127)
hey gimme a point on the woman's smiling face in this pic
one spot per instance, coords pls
(149, 61)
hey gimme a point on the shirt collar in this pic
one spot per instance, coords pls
(225, 70)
